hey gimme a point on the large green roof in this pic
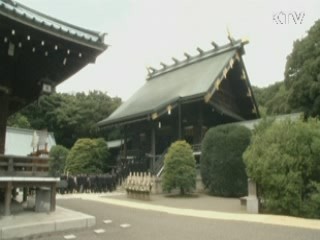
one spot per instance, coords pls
(191, 78)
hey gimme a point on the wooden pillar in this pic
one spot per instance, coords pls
(7, 199)
(53, 197)
(125, 147)
(125, 142)
(179, 121)
(25, 194)
(199, 133)
(4, 106)
(153, 144)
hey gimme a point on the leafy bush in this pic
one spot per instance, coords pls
(222, 167)
(284, 161)
(58, 155)
(179, 168)
(88, 156)
(19, 121)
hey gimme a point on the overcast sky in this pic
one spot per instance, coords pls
(144, 33)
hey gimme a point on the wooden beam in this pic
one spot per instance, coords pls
(53, 189)
(153, 144)
(25, 194)
(4, 106)
(125, 144)
(7, 199)
(200, 123)
(179, 121)
(224, 109)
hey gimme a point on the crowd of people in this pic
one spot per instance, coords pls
(84, 183)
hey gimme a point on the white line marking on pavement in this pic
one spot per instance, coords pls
(70, 236)
(98, 231)
(125, 225)
(107, 221)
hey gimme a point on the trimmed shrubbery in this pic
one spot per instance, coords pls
(57, 162)
(222, 167)
(284, 160)
(179, 168)
(88, 156)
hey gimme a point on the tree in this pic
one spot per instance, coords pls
(272, 100)
(58, 155)
(221, 165)
(88, 156)
(302, 73)
(72, 116)
(283, 159)
(179, 168)
(19, 121)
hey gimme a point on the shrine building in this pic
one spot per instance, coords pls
(183, 100)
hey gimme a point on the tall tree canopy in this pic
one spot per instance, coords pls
(302, 73)
(19, 121)
(70, 116)
(272, 100)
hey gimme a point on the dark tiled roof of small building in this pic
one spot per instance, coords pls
(38, 20)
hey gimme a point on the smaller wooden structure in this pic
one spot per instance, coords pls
(37, 52)
(25, 172)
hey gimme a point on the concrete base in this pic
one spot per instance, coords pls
(43, 197)
(31, 223)
(252, 204)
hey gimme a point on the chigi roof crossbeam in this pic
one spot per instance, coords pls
(189, 59)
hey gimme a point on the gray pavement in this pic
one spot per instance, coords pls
(127, 223)
(196, 210)
(201, 216)
(26, 223)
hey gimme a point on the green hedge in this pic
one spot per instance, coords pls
(57, 162)
(222, 167)
(179, 168)
(284, 160)
(88, 156)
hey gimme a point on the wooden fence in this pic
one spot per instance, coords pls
(24, 166)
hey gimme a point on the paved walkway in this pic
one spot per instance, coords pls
(202, 206)
(26, 223)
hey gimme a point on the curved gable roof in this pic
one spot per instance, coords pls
(191, 78)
